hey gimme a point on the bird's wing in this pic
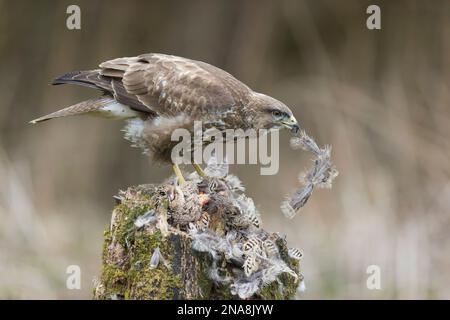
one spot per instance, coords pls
(169, 85)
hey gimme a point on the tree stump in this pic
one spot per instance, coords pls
(201, 240)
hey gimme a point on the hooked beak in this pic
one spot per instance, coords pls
(291, 124)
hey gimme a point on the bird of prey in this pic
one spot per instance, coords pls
(158, 93)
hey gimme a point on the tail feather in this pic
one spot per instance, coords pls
(109, 82)
(89, 78)
(86, 106)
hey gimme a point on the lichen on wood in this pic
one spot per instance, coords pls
(200, 240)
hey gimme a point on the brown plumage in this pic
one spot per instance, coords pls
(185, 204)
(88, 106)
(160, 93)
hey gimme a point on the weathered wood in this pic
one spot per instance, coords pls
(139, 227)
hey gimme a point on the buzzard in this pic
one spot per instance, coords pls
(158, 93)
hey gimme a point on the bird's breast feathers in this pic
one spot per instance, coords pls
(116, 110)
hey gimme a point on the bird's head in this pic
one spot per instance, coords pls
(269, 113)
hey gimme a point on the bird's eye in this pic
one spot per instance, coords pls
(276, 113)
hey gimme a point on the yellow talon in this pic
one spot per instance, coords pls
(199, 169)
(178, 173)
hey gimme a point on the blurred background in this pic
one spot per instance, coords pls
(379, 97)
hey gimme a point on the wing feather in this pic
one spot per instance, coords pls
(165, 85)
(169, 84)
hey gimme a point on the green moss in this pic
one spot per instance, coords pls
(287, 290)
(154, 284)
(147, 283)
(125, 228)
(116, 280)
(134, 279)
(127, 252)
(203, 281)
(289, 286)
(222, 292)
(271, 292)
(113, 277)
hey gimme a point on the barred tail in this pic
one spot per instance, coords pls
(86, 106)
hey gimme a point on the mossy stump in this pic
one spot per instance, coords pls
(128, 266)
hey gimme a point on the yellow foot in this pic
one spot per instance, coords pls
(178, 173)
(199, 169)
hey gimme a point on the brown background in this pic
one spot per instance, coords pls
(380, 98)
